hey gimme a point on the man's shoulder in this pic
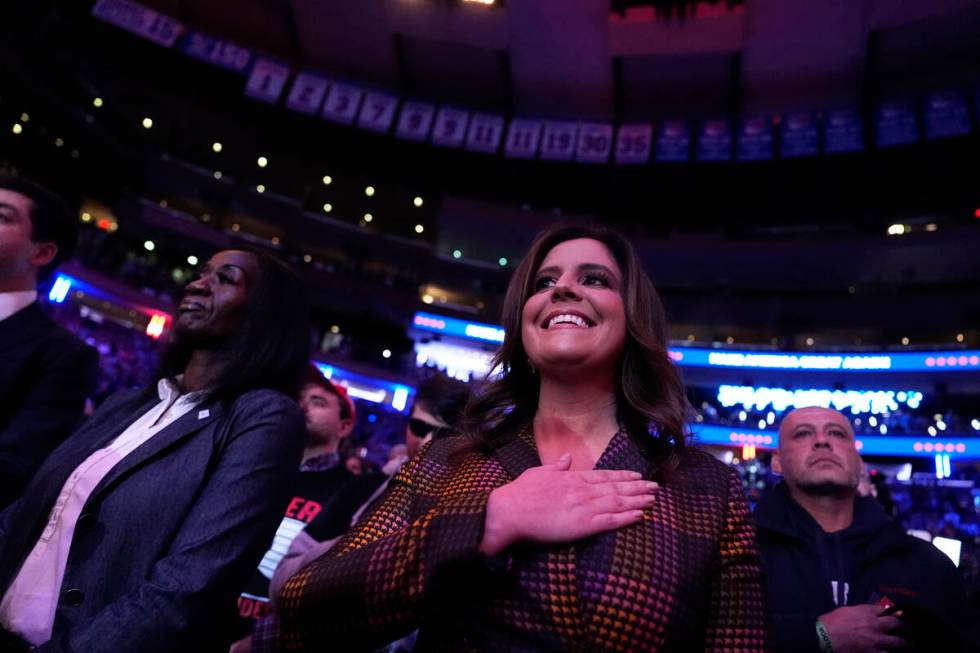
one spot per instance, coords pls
(895, 542)
(54, 338)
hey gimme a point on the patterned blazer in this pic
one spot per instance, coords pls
(685, 578)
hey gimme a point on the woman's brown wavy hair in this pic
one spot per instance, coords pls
(651, 402)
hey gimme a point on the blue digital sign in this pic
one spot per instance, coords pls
(923, 361)
(460, 328)
(920, 446)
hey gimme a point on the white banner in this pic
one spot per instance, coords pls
(307, 93)
(342, 103)
(267, 80)
(594, 142)
(415, 120)
(633, 143)
(558, 141)
(139, 20)
(377, 112)
(450, 127)
(522, 138)
(486, 129)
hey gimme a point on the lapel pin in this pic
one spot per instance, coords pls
(201, 414)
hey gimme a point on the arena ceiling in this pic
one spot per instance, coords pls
(586, 60)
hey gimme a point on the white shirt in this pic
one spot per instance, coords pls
(11, 302)
(28, 607)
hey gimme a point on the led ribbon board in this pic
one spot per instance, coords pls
(920, 446)
(933, 361)
(460, 328)
(857, 401)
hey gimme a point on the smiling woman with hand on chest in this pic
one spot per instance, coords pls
(571, 515)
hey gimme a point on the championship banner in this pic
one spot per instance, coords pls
(800, 135)
(377, 112)
(633, 143)
(895, 124)
(342, 103)
(139, 20)
(449, 129)
(673, 142)
(216, 51)
(267, 80)
(946, 114)
(306, 94)
(594, 142)
(415, 120)
(715, 141)
(558, 141)
(754, 139)
(486, 130)
(522, 138)
(842, 131)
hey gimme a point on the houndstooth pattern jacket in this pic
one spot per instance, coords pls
(685, 578)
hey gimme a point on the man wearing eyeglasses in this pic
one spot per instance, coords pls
(438, 406)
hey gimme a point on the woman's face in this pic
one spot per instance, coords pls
(575, 318)
(214, 301)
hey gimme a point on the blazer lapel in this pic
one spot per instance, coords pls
(519, 453)
(623, 453)
(26, 325)
(96, 433)
(194, 420)
(596, 557)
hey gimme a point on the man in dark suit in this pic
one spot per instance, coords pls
(46, 373)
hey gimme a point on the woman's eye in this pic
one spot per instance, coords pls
(544, 282)
(595, 280)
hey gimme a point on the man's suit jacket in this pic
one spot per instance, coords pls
(168, 538)
(685, 578)
(46, 373)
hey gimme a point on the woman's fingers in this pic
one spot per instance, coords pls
(609, 475)
(630, 488)
(610, 521)
(620, 503)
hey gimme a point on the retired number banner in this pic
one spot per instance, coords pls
(139, 20)
(267, 80)
(342, 103)
(485, 133)
(307, 93)
(522, 138)
(450, 127)
(415, 120)
(633, 143)
(594, 142)
(558, 141)
(377, 112)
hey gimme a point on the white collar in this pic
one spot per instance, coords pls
(12, 302)
(169, 390)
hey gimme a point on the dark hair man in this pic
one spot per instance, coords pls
(46, 373)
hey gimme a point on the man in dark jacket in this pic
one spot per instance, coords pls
(46, 373)
(842, 576)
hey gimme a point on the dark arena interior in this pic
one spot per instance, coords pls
(799, 180)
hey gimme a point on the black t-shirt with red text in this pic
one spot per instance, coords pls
(314, 490)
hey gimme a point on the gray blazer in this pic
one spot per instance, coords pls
(169, 537)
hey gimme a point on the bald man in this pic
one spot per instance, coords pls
(842, 576)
